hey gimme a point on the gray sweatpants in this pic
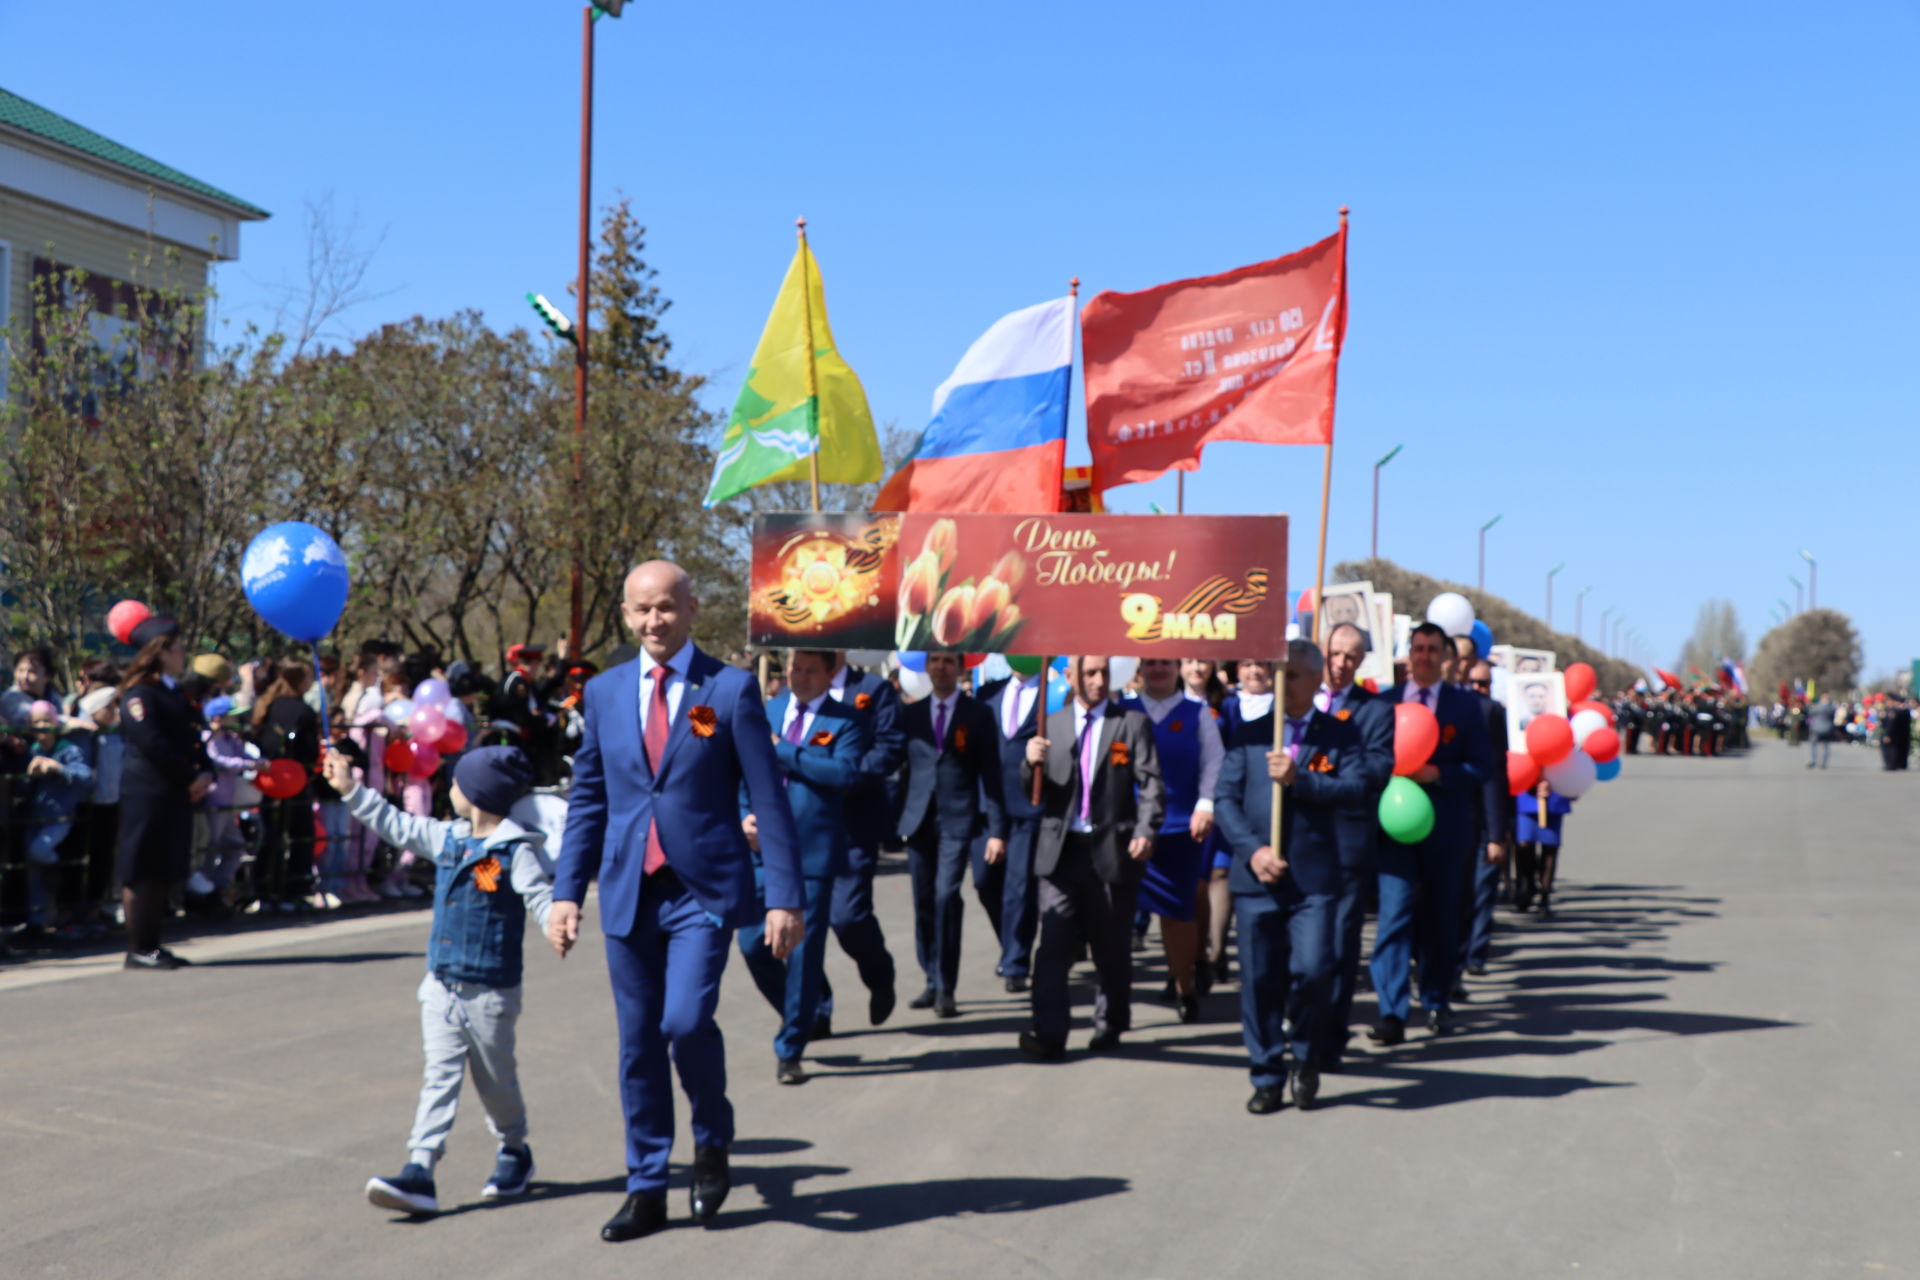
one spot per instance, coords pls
(463, 1026)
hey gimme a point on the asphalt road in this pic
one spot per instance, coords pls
(1701, 1066)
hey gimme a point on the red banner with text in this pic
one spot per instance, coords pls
(1251, 355)
(1176, 586)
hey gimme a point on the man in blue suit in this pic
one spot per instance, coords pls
(654, 815)
(869, 823)
(1499, 815)
(1287, 899)
(820, 743)
(953, 791)
(1007, 887)
(1427, 880)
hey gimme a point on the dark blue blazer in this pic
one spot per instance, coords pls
(1499, 813)
(1343, 769)
(869, 808)
(819, 776)
(1465, 761)
(1014, 795)
(695, 796)
(959, 787)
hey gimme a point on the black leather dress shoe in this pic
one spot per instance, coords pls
(1440, 1022)
(880, 1005)
(641, 1215)
(822, 1029)
(178, 962)
(790, 1072)
(1202, 977)
(712, 1179)
(922, 1001)
(1190, 1008)
(1391, 1031)
(945, 1007)
(1041, 1050)
(1104, 1039)
(1476, 970)
(1306, 1085)
(1266, 1100)
(1016, 985)
(1331, 1066)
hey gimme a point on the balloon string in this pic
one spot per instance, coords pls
(326, 717)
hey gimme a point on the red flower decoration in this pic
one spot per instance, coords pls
(1344, 713)
(863, 701)
(824, 738)
(486, 874)
(701, 720)
(959, 737)
(1118, 754)
(1177, 725)
(1320, 763)
(1447, 733)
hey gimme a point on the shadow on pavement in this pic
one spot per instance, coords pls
(899, 1204)
(347, 957)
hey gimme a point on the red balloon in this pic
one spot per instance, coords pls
(1416, 732)
(453, 739)
(425, 760)
(1523, 772)
(281, 779)
(1549, 739)
(398, 757)
(1580, 682)
(1603, 745)
(1590, 705)
(124, 617)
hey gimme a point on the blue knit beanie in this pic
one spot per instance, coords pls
(493, 778)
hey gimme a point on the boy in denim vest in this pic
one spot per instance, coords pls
(492, 872)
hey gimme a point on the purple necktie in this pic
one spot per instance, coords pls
(1088, 741)
(1424, 694)
(1296, 730)
(798, 727)
(940, 727)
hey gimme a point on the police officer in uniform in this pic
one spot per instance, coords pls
(164, 774)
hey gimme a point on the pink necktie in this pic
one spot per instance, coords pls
(940, 727)
(656, 745)
(1088, 741)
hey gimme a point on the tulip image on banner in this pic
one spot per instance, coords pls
(1253, 355)
(800, 397)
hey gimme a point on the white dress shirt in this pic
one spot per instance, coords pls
(676, 680)
(1330, 700)
(1083, 717)
(1211, 752)
(1016, 703)
(797, 707)
(838, 689)
(1412, 694)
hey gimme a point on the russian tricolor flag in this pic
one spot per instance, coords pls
(998, 439)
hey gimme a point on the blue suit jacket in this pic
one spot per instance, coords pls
(1014, 796)
(869, 807)
(1465, 760)
(1343, 768)
(695, 798)
(819, 777)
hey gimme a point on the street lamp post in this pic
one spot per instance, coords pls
(1799, 596)
(1785, 608)
(1551, 574)
(1376, 496)
(1483, 552)
(1579, 601)
(1813, 579)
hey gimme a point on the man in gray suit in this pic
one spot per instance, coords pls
(1101, 805)
(1821, 720)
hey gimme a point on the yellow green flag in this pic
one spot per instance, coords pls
(800, 397)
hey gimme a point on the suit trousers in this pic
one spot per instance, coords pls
(793, 986)
(858, 928)
(666, 985)
(1349, 918)
(1076, 905)
(939, 867)
(466, 1027)
(1421, 886)
(1010, 896)
(1479, 933)
(1286, 976)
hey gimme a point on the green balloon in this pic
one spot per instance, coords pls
(1025, 663)
(1406, 813)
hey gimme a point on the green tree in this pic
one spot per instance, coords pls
(1820, 645)
(1716, 635)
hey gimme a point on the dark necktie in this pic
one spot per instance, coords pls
(656, 746)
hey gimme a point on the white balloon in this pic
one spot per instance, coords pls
(992, 667)
(915, 684)
(1584, 723)
(1453, 613)
(1572, 776)
(1120, 673)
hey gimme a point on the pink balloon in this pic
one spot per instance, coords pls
(425, 760)
(427, 724)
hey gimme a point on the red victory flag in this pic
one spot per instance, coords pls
(1250, 355)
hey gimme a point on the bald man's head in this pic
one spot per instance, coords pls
(659, 607)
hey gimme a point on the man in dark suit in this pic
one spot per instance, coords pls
(1425, 880)
(819, 743)
(1497, 817)
(1345, 700)
(1287, 899)
(952, 792)
(869, 823)
(1007, 887)
(1101, 805)
(654, 815)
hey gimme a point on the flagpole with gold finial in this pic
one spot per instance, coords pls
(813, 388)
(1046, 659)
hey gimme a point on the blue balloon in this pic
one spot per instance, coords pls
(1608, 770)
(913, 661)
(295, 577)
(1482, 639)
(1060, 663)
(1057, 691)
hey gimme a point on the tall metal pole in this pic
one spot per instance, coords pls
(1481, 584)
(1799, 594)
(1180, 493)
(576, 600)
(1579, 628)
(1813, 579)
(1551, 573)
(1376, 497)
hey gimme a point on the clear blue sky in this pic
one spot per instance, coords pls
(1642, 278)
